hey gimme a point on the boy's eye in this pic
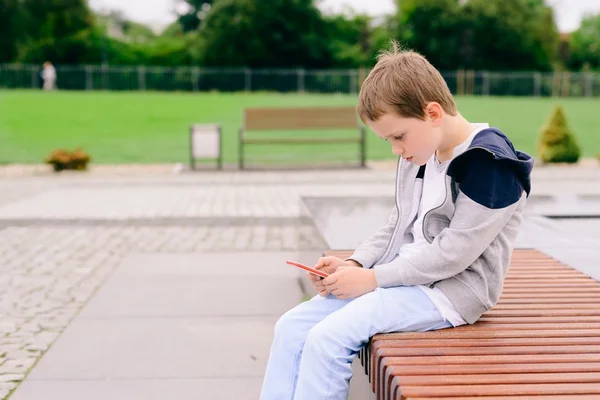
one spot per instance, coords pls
(400, 137)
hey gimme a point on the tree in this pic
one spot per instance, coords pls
(349, 39)
(61, 31)
(195, 12)
(116, 25)
(585, 44)
(481, 34)
(557, 143)
(510, 35)
(11, 29)
(433, 28)
(246, 33)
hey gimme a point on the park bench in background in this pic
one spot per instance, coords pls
(541, 341)
(276, 121)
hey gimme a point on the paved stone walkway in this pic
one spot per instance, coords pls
(62, 237)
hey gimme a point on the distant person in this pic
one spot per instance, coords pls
(439, 262)
(49, 76)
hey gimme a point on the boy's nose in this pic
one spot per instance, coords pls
(397, 151)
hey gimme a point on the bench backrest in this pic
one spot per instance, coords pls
(300, 118)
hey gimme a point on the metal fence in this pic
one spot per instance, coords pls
(193, 79)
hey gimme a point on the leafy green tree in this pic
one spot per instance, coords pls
(61, 31)
(116, 25)
(250, 33)
(11, 29)
(195, 12)
(584, 44)
(509, 35)
(433, 28)
(350, 39)
(480, 34)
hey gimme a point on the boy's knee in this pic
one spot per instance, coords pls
(288, 322)
(322, 337)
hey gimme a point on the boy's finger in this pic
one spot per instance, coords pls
(330, 280)
(313, 277)
(320, 263)
(325, 261)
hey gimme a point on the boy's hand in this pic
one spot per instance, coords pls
(329, 265)
(350, 282)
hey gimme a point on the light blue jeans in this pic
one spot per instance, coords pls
(316, 341)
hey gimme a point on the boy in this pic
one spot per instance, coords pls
(441, 259)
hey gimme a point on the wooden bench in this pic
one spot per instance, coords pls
(282, 119)
(541, 341)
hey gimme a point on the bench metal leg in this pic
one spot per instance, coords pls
(241, 149)
(363, 147)
(191, 144)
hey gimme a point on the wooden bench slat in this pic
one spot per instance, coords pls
(521, 320)
(542, 313)
(526, 290)
(558, 270)
(300, 140)
(493, 359)
(541, 306)
(541, 267)
(528, 276)
(540, 271)
(499, 327)
(494, 379)
(494, 390)
(495, 342)
(552, 285)
(300, 118)
(521, 368)
(550, 295)
(551, 282)
(537, 265)
(488, 333)
(549, 397)
(550, 300)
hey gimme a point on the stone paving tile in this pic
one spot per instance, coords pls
(15, 190)
(47, 274)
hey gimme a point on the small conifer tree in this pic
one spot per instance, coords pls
(557, 143)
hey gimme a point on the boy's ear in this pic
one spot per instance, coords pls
(434, 112)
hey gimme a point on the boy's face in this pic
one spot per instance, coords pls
(414, 139)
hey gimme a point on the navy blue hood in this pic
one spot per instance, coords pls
(494, 143)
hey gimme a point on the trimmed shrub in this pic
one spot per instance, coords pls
(557, 143)
(62, 159)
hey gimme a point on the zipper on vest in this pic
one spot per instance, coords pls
(398, 208)
(446, 193)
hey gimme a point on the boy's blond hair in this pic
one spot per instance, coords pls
(402, 82)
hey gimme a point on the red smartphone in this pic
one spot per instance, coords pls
(309, 269)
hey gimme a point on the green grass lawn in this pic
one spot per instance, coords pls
(137, 127)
